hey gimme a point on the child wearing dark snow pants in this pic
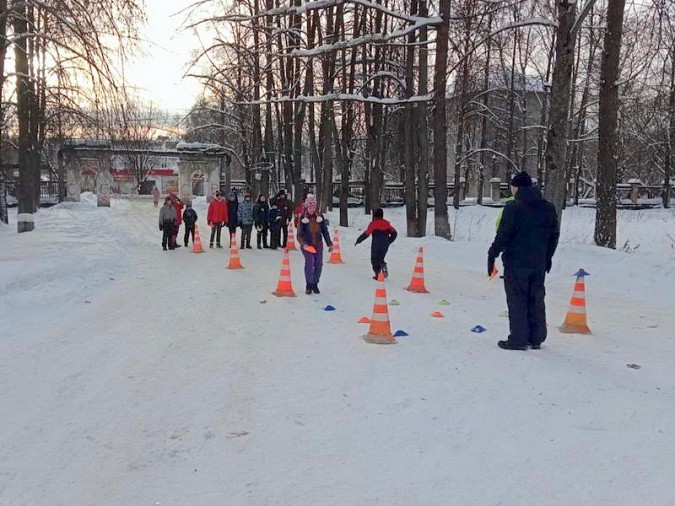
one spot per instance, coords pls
(311, 234)
(383, 235)
(190, 219)
(261, 220)
(167, 223)
(275, 227)
(245, 218)
(232, 214)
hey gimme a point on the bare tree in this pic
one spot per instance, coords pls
(605, 219)
(556, 147)
(440, 125)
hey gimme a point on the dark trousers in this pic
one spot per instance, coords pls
(233, 231)
(215, 232)
(246, 236)
(275, 236)
(168, 235)
(525, 294)
(284, 233)
(262, 236)
(377, 259)
(313, 265)
(174, 238)
(189, 229)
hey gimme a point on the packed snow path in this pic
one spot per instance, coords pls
(133, 376)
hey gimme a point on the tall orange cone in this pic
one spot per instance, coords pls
(285, 287)
(336, 256)
(235, 262)
(417, 283)
(575, 321)
(290, 244)
(197, 242)
(380, 328)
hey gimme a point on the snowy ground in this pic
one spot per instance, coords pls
(133, 376)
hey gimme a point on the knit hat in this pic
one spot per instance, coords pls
(521, 179)
(310, 199)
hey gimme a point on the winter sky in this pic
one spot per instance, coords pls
(166, 52)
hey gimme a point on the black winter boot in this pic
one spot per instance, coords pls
(315, 288)
(508, 345)
(308, 289)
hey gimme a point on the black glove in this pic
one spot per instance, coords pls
(161, 228)
(491, 266)
(549, 264)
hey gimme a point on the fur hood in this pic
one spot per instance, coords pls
(305, 220)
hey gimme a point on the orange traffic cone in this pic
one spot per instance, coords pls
(197, 242)
(335, 256)
(417, 283)
(285, 286)
(290, 244)
(575, 321)
(380, 329)
(235, 262)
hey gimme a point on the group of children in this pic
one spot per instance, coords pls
(271, 219)
(171, 215)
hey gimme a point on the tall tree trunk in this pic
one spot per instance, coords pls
(461, 127)
(440, 125)
(576, 160)
(410, 163)
(298, 107)
(343, 142)
(510, 129)
(463, 107)
(25, 98)
(542, 119)
(670, 144)
(556, 146)
(484, 117)
(4, 218)
(423, 129)
(608, 138)
(257, 142)
(270, 155)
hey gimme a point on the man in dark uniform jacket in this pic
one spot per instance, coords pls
(526, 238)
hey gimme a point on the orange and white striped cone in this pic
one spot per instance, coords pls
(336, 256)
(380, 328)
(285, 286)
(290, 244)
(235, 262)
(197, 242)
(417, 283)
(575, 321)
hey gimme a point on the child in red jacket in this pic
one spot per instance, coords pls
(383, 235)
(216, 217)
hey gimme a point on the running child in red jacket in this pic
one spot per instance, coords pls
(383, 235)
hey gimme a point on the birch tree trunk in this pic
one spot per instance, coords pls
(556, 146)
